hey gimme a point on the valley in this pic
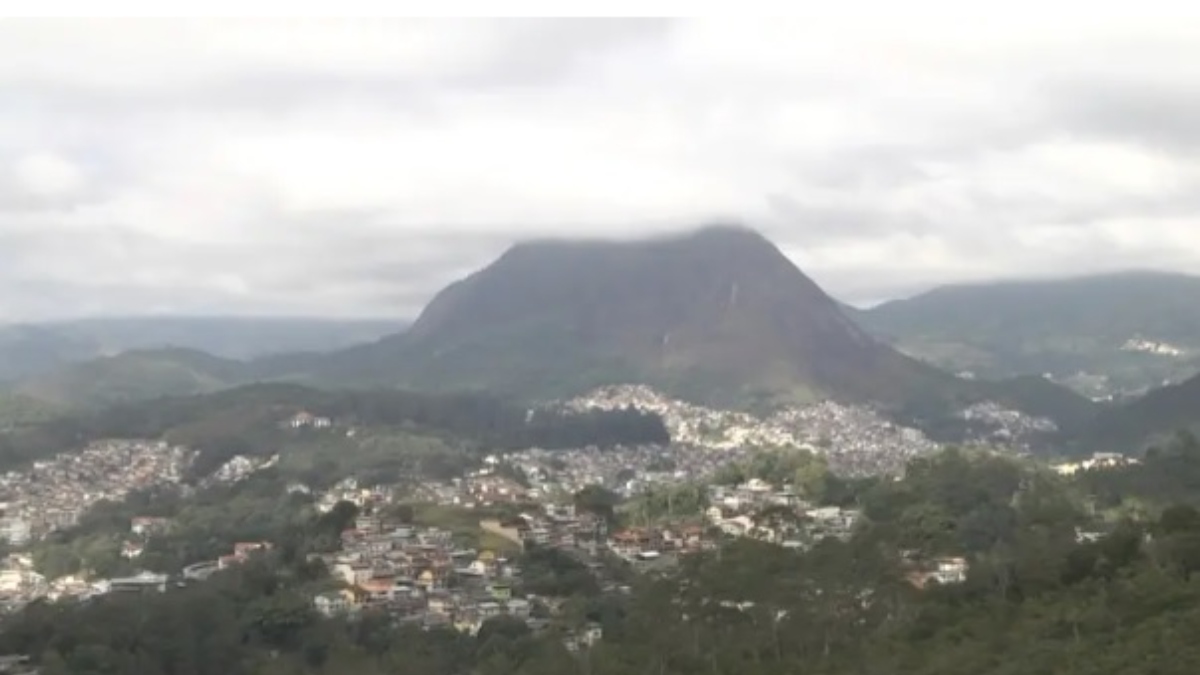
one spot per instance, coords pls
(850, 343)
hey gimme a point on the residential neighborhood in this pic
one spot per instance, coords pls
(51, 495)
(433, 576)
(855, 439)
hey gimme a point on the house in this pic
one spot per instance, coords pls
(477, 568)
(500, 591)
(144, 526)
(368, 524)
(628, 543)
(352, 573)
(468, 623)
(518, 608)
(427, 579)
(714, 514)
(244, 548)
(756, 485)
(331, 604)
(740, 526)
(535, 534)
(379, 588)
(16, 531)
(439, 603)
(143, 582)
(305, 419)
(16, 664)
(488, 610)
(132, 549)
(586, 638)
(950, 570)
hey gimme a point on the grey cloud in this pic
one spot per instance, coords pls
(533, 53)
(1155, 114)
(596, 86)
(806, 224)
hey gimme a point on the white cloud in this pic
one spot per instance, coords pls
(353, 167)
(47, 176)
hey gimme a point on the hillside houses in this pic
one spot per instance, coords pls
(943, 571)
(757, 509)
(307, 420)
(418, 575)
(856, 440)
(51, 494)
(146, 526)
(1097, 462)
(242, 551)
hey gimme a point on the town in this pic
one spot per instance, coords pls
(523, 501)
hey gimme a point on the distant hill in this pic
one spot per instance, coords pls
(28, 350)
(135, 376)
(17, 411)
(718, 315)
(1078, 329)
(1153, 418)
(249, 420)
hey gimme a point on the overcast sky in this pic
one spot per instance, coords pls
(354, 168)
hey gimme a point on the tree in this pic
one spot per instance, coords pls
(597, 500)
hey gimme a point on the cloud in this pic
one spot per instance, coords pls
(355, 167)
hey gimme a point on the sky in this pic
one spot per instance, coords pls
(354, 168)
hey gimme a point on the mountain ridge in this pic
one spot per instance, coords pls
(717, 309)
(35, 349)
(1077, 329)
(716, 315)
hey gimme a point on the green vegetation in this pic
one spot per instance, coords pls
(1036, 598)
(1062, 327)
(717, 316)
(133, 376)
(203, 527)
(30, 350)
(1140, 423)
(18, 411)
(248, 421)
(463, 523)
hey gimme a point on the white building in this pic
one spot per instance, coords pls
(14, 530)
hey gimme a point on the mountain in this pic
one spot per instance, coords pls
(28, 350)
(18, 411)
(1150, 419)
(134, 376)
(1104, 334)
(717, 315)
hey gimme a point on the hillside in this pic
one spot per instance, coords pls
(1078, 330)
(134, 376)
(28, 350)
(718, 315)
(18, 411)
(718, 312)
(247, 420)
(1157, 416)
